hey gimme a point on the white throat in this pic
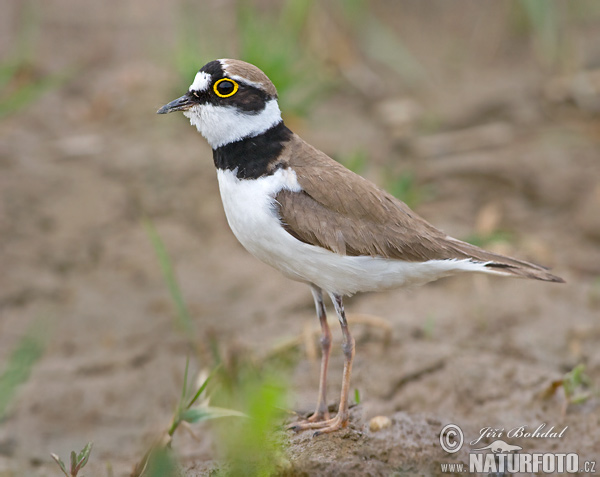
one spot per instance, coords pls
(221, 125)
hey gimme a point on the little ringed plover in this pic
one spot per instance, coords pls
(298, 210)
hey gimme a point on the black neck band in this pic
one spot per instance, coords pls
(253, 156)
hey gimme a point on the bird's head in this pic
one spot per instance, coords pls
(229, 100)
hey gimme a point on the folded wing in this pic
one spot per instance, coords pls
(346, 214)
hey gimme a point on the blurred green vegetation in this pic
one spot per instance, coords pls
(187, 411)
(429, 326)
(20, 363)
(401, 185)
(575, 383)
(485, 240)
(276, 42)
(161, 463)
(253, 446)
(378, 42)
(159, 460)
(577, 386)
(253, 395)
(356, 160)
(548, 23)
(404, 186)
(20, 83)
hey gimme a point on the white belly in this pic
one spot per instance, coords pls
(251, 213)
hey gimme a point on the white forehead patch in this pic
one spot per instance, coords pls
(201, 82)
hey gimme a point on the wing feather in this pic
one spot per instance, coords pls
(342, 212)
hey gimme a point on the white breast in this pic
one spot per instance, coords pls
(252, 215)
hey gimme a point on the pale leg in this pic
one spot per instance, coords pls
(321, 412)
(341, 419)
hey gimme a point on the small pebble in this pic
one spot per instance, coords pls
(379, 422)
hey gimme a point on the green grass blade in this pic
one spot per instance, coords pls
(203, 387)
(184, 319)
(200, 391)
(199, 414)
(185, 378)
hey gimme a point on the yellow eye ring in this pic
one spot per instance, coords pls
(221, 95)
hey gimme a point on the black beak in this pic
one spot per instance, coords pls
(180, 104)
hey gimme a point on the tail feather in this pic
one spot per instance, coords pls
(504, 265)
(525, 272)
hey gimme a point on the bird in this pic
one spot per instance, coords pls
(303, 213)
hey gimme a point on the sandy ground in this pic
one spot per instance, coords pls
(82, 166)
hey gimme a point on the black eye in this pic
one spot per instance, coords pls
(225, 87)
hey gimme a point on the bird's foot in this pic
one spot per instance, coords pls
(323, 426)
(316, 417)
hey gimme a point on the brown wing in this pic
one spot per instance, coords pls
(343, 212)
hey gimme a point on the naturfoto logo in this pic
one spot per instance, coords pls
(503, 457)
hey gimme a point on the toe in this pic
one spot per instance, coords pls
(322, 427)
(305, 425)
(336, 425)
(313, 422)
